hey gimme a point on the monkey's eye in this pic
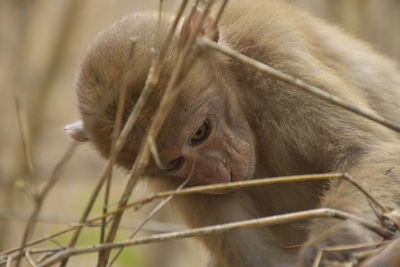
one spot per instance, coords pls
(201, 134)
(174, 165)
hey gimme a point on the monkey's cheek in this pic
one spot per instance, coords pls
(242, 171)
(243, 163)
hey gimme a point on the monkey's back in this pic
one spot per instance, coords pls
(297, 43)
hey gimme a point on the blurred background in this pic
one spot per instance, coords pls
(41, 43)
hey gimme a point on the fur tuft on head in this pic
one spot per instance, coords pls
(100, 78)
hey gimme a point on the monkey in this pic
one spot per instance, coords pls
(233, 123)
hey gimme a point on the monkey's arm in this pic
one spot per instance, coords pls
(378, 171)
(239, 248)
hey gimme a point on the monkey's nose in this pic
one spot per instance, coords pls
(211, 172)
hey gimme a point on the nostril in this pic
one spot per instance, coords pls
(174, 165)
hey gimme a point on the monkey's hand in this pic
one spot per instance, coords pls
(388, 257)
(340, 234)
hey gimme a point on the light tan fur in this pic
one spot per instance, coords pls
(293, 132)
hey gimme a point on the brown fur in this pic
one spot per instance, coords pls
(290, 131)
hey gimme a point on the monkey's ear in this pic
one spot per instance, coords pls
(209, 28)
(77, 131)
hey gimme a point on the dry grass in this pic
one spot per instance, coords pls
(35, 116)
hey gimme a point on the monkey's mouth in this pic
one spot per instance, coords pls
(230, 175)
(222, 191)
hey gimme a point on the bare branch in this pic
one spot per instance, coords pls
(142, 158)
(152, 213)
(192, 190)
(152, 226)
(23, 126)
(39, 199)
(261, 222)
(317, 259)
(197, 189)
(264, 181)
(388, 256)
(30, 259)
(107, 171)
(123, 90)
(206, 43)
(354, 246)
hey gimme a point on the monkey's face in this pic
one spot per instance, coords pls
(206, 137)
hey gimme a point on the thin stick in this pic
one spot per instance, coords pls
(206, 43)
(368, 253)
(35, 109)
(317, 259)
(157, 39)
(338, 264)
(123, 90)
(107, 171)
(56, 174)
(30, 259)
(151, 82)
(204, 189)
(220, 12)
(152, 213)
(154, 153)
(39, 199)
(46, 255)
(261, 222)
(45, 250)
(389, 256)
(264, 181)
(25, 137)
(366, 192)
(152, 226)
(38, 241)
(354, 246)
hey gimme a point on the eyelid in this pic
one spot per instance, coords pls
(177, 164)
(207, 134)
(198, 126)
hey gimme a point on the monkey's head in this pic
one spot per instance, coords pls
(206, 134)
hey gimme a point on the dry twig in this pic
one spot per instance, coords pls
(198, 189)
(257, 182)
(368, 248)
(206, 43)
(317, 259)
(23, 126)
(123, 90)
(267, 221)
(202, 189)
(39, 198)
(162, 112)
(389, 256)
(152, 213)
(151, 82)
(148, 148)
(30, 259)
(117, 143)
